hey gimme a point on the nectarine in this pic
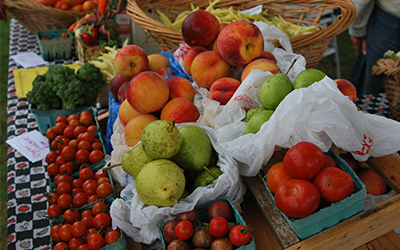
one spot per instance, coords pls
(134, 128)
(180, 87)
(261, 64)
(347, 89)
(157, 61)
(180, 110)
(126, 112)
(130, 60)
(223, 89)
(189, 56)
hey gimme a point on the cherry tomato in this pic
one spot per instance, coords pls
(51, 157)
(69, 132)
(62, 118)
(86, 174)
(65, 232)
(75, 242)
(60, 160)
(76, 191)
(64, 200)
(103, 180)
(90, 188)
(53, 169)
(79, 200)
(87, 212)
(220, 209)
(87, 182)
(104, 190)
(95, 241)
(96, 156)
(112, 236)
(79, 129)
(64, 177)
(77, 183)
(82, 155)
(240, 235)
(74, 123)
(66, 168)
(83, 247)
(202, 238)
(184, 230)
(83, 144)
(71, 214)
(297, 198)
(222, 243)
(74, 143)
(85, 112)
(78, 229)
(178, 244)
(99, 173)
(86, 120)
(329, 161)
(54, 232)
(99, 207)
(93, 198)
(218, 227)
(72, 116)
(89, 232)
(52, 198)
(276, 176)
(304, 160)
(101, 220)
(61, 142)
(88, 136)
(60, 246)
(51, 134)
(59, 127)
(54, 211)
(88, 220)
(97, 145)
(64, 188)
(188, 215)
(92, 128)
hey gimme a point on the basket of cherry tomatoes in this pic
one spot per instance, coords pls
(216, 224)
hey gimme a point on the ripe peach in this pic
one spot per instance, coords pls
(147, 92)
(347, 89)
(130, 60)
(134, 128)
(262, 64)
(179, 86)
(200, 28)
(208, 67)
(162, 72)
(240, 42)
(180, 110)
(189, 56)
(268, 55)
(223, 89)
(157, 61)
(373, 182)
(126, 112)
(122, 92)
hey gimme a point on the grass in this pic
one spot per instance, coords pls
(4, 42)
(346, 53)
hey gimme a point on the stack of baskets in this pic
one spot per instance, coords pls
(35, 16)
(389, 73)
(301, 12)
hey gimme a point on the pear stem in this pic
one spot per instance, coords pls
(110, 167)
(209, 171)
(172, 126)
(291, 66)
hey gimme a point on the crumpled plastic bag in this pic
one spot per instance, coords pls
(320, 114)
(141, 222)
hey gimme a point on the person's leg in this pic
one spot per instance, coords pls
(357, 74)
(383, 35)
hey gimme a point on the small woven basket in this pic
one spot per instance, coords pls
(35, 16)
(389, 73)
(301, 12)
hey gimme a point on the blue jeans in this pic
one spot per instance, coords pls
(383, 35)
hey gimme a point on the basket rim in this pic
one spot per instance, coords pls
(344, 20)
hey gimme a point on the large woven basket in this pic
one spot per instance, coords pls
(301, 12)
(389, 73)
(35, 16)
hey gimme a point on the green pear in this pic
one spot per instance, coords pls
(257, 120)
(251, 112)
(161, 139)
(273, 90)
(195, 152)
(205, 178)
(134, 160)
(160, 183)
(307, 77)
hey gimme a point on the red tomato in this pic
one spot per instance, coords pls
(75, 242)
(59, 127)
(53, 169)
(72, 117)
(304, 160)
(82, 155)
(97, 145)
(220, 208)
(88, 136)
(88, 220)
(188, 215)
(218, 227)
(77, 183)
(222, 243)
(64, 188)
(78, 130)
(65, 201)
(79, 200)
(99, 207)
(92, 128)
(74, 143)
(74, 123)
(184, 230)
(86, 213)
(96, 156)
(60, 245)
(297, 198)
(329, 161)
(101, 220)
(66, 168)
(83, 247)
(93, 198)
(95, 241)
(178, 244)
(52, 198)
(86, 174)
(169, 231)
(86, 120)
(276, 176)
(65, 232)
(112, 236)
(69, 132)
(85, 112)
(89, 232)
(51, 134)
(70, 215)
(64, 177)
(51, 157)
(99, 173)
(90, 188)
(62, 118)
(334, 184)
(83, 144)
(104, 190)
(103, 180)
(202, 238)
(79, 228)
(240, 235)
(54, 232)
(54, 211)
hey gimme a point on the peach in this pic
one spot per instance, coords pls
(180, 87)
(180, 110)
(122, 92)
(373, 182)
(126, 112)
(157, 61)
(189, 56)
(162, 72)
(223, 89)
(208, 67)
(134, 128)
(240, 42)
(347, 89)
(200, 28)
(130, 60)
(115, 84)
(147, 92)
(268, 55)
(348, 158)
(262, 64)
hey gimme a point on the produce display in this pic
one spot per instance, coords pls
(75, 5)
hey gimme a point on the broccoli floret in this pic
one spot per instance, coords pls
(42, 94)
(71, 94)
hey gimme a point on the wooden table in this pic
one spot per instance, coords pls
(370, 229)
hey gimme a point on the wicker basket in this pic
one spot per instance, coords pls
(302, 12)
(389, 73)
(35, 16)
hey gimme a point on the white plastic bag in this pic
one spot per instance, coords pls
(320, 114)
(141, 222)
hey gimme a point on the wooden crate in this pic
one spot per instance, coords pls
(373, 227)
